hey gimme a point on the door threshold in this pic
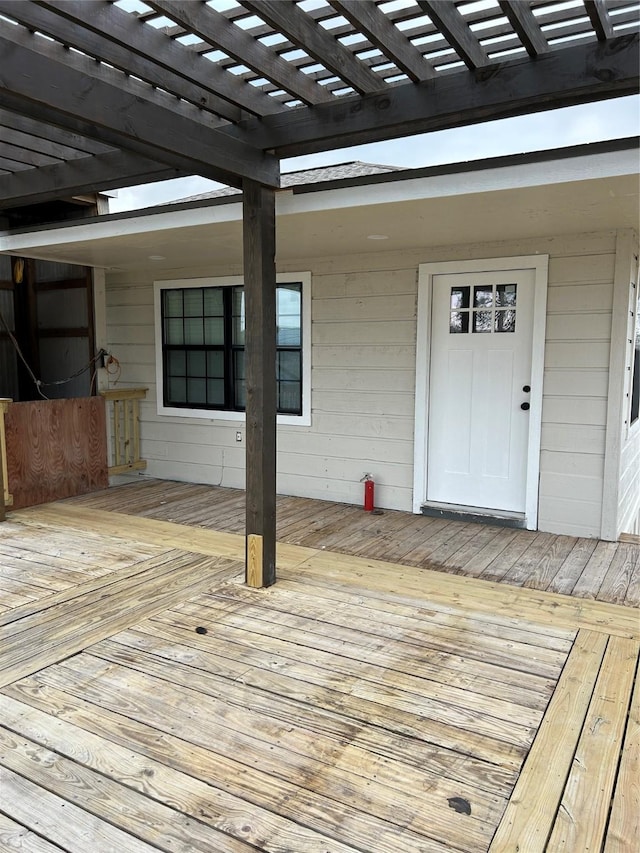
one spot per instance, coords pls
(476, 515)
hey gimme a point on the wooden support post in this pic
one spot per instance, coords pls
(260, 373)
(5, 497)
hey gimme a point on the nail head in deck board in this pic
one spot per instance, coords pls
(260, 354)
(529, 816)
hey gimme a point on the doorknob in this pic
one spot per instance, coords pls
(524, 406)
(526, 388)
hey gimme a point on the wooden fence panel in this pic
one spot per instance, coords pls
(55, 449)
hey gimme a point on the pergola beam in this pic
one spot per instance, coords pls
(599, 18)
(215, 29)
(367, 18)
(82, 175)
(35, 81)
(525, 26)
(287, 18)
(112, 35)
(452, 25)
(559, 78)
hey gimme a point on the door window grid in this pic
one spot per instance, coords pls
(493, 309)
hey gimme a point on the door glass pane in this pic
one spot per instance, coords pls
(482, 321)
(459, 297)
(459, 322)
(506, 295)
(506, 321)
(483, 296)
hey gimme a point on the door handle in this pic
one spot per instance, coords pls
(525, 406)
(526, 388)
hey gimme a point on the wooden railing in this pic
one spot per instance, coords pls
(6, 499)
(125, 429)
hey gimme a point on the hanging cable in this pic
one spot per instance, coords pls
(39, 383)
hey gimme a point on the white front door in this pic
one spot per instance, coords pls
(480, 389)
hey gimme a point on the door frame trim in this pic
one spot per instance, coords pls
(540, 266)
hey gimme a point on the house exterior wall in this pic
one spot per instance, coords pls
(363, 379)
(621, 502)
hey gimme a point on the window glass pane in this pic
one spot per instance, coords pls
(193, 302)
(483, 296)
(459, 322)
(506, 295)
(177, 363)
(213, 302)
(215, 364)
(289, 364)
(214, 330)
(459, 297)
(177, 390)
(482, 321)
(288, 314)
(505, 321)
(238, 364)
(197, 390)
(172, 303)
(289, 397)
(173, 331)
(215, 392)
(240, 393)
(196, 363)
(238, 316)
(193, 331)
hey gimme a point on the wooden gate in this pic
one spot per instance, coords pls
(54, 449)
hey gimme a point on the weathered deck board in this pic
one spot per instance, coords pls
(584, 809)
(530, 814)
(358, 705)
(520, 557)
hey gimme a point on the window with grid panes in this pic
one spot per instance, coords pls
(203, 338)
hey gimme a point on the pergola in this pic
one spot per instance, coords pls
(96, 94)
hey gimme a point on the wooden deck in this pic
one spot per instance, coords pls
(150, 701)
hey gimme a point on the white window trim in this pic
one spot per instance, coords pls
(426, 272)
(230, 281)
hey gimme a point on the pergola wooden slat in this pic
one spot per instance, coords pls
(94, 96)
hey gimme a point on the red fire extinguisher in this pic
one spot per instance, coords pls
(369, 487)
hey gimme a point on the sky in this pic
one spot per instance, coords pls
(612, 119)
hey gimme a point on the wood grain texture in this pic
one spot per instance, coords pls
(55, 449)
(529, 816)
(356, 705)
(584, 809)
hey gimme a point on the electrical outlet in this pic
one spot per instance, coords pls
(238, 436)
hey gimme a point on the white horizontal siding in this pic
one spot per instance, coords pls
(363, 379)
